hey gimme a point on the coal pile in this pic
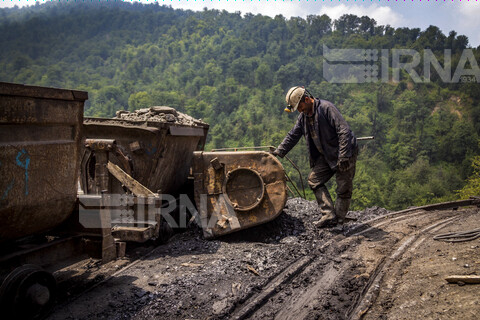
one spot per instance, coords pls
(368, 214)
(308, 212)
(190, 277)
(162, 114)
(295, 224)
(291, 222)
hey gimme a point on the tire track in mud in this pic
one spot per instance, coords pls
(304, 289)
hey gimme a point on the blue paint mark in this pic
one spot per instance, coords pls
(23, 161)
(9, 187)
(150, 150)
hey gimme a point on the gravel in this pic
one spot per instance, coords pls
(162, 114)
(194, 278)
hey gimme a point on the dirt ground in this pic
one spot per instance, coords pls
(382, 266)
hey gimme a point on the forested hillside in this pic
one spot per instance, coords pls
(233, 71)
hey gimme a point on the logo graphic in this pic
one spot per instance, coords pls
(373, 65)
(361, 65)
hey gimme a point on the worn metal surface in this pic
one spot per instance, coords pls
(131, 184)
(237, 190)
(133, 234)
(144, 158)
(95, 216)
(40, 132)
(159, 154)
(243, 188)
(101, 149)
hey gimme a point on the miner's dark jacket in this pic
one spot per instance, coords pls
(335, 139)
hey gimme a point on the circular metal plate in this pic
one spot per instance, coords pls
(244, 189)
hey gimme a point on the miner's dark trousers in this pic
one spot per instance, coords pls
(321, 174)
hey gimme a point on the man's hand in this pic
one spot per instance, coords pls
(343, 164)
(275, 152)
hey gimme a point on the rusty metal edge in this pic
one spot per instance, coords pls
(130, 127)
(15, 89)
(443, 205)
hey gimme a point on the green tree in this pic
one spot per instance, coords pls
(139, 100)
(472, 187)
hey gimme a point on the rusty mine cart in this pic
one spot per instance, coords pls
(72, 187)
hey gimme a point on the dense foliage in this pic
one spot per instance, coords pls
(233, 71)
(472, 188)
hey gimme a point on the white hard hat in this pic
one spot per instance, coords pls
(293, 98)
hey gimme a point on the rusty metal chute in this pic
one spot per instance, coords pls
(237, 190)
(156, 154)
(138, 161)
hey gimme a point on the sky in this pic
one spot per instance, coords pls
(463, 16)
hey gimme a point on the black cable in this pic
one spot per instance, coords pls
(458, 236)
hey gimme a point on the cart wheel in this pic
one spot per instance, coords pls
(28, 292)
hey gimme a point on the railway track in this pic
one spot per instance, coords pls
(280, 298)
(370, 292)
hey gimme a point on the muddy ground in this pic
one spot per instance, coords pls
(389, 268)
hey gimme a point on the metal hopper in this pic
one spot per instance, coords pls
(135, 160)
(158, 154)
(40, 132)
(237, 190)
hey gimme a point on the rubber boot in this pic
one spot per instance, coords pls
(325, 204)
(341, 209)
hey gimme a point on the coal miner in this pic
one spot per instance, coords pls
(332, 147)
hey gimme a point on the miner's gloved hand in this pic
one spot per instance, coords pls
(343, 164)
(275, 152)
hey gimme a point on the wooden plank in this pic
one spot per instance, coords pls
(464, 279)
(133, 185)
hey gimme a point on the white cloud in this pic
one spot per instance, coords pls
(466, 17)
(469, 11)
(383, 15)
